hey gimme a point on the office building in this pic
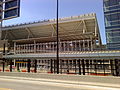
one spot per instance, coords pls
(112, 23)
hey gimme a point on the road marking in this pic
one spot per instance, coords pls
(5, 89)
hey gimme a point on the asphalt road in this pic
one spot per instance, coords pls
(32, 84)
(23, 85)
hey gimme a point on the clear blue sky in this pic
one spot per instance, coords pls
(35, 10)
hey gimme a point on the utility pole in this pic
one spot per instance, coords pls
(57, 32)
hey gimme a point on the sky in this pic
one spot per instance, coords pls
(35, 10)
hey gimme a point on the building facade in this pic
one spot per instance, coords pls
(31, 47)
(112, 23)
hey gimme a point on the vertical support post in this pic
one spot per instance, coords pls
(88, 45)
(10, 65)
(14, 47)
(95, 65)
(57, 39)
(1, 29)
(111, 65)
(83, 67)
(79, 65)
(51, 65)
(3, 65)
(104, 66)
(79, 45)
(67, 64)
(18, 68)
(54, 66)
(61, 65)
(116, 67)
(35, 66)
(34, 46)
(4, 49)
(83, 45)
(91, 44)
(28, 65)
(75, 67)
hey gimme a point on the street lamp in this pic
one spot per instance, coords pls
(57, 32)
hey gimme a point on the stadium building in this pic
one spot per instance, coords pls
(31, 47)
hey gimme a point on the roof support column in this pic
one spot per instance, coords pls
(18, 67)
(64, 45)
(35, 68)
(14, 47)
(116, 67)
(3, 64)
(68, 48)
(51, 66)
(79, 45)
(91, 44)
(34, 46)
(104, 67)
(10, 65)
(28, 65)
(83, 66)
(83, 45)
(111, 65)
(88, 43)
(75, 67)
(79, 65)
(61, 65)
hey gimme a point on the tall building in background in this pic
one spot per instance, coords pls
(112, 23)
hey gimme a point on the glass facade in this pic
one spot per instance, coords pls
(112, 23)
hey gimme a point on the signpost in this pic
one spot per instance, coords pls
(8, 9)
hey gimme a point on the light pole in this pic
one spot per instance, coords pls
(57, 32)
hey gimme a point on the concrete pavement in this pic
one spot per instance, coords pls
(97, 82)
(33, 84)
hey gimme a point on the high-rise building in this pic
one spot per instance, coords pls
(112, 23)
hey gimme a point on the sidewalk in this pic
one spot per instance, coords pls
(103, 81)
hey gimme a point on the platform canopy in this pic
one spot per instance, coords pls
(70, 28)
